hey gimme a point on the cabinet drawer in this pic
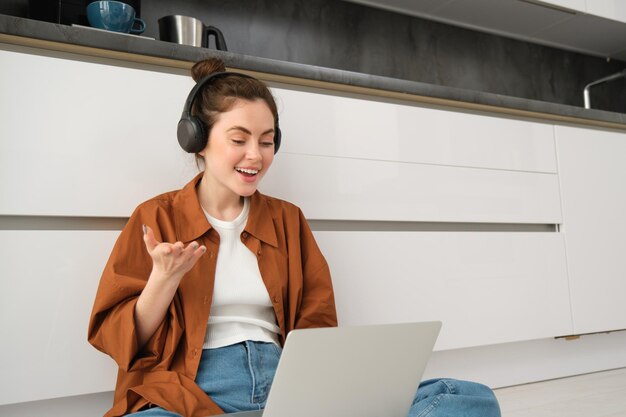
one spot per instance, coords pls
(356, 189)
(592, 174)
(96, 141)
(49, 281)
(487, 288)
(339, 126)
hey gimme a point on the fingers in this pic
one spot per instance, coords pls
(193, 250)
(182, 259)
(197, 252)
(176, 250)
(148, 238)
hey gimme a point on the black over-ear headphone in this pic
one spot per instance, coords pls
(192, 132)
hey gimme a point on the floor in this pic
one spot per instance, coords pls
(601, 394)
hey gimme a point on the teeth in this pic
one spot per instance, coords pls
(248, 171)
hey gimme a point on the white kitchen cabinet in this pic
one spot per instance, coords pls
(87, 139)
(487, 288)
(314, 123)
(592, 172)
(610, 9)
(361, 189)
(576, 5)
(48, 285)
(102, 138)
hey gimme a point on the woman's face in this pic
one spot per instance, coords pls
(240, 148)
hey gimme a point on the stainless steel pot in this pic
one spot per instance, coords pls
(187, 30)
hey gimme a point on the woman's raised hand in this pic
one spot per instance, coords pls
(171, 260)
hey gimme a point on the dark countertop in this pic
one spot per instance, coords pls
(137, 45)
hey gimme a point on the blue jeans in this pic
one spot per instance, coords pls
(238, 378)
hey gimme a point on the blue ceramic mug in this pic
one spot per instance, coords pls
(115, 16)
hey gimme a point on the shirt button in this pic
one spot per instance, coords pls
(275, 300)
(244, 235)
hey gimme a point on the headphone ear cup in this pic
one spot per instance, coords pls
(277, 137)
(191, 133)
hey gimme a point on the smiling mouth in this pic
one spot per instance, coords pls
(247, 172)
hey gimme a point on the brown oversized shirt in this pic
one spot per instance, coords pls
(163, 371)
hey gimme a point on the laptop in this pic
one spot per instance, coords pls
(365, 371)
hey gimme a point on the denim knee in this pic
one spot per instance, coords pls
(454, 386)
(470, 388)
(452, 397)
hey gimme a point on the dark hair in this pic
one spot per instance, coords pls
(220, 95)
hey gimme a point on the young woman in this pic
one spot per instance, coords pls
(204, 283)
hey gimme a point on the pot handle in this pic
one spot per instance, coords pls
(220, 43)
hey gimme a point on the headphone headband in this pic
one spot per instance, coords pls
(196, 88)
(192, 132)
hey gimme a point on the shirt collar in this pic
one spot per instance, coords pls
(260, 220)
(192, 223)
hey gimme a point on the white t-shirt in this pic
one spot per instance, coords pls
(241, 308)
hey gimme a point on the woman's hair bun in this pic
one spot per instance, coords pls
(205, 67)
